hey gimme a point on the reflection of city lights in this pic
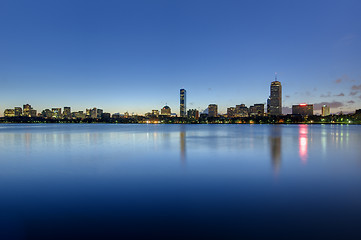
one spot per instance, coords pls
(303, 141)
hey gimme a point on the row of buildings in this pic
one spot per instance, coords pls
(55, 113)
(273, 108)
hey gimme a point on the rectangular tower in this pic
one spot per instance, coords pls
(274, 103)
(183, 108)
(325, 110)
(212, 110)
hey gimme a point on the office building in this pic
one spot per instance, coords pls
(47, 113)
(67, 112)
(99, 113)
(56, 112)
(116, 115)
(302, 109)
(9, 113)
(183, 107)
(87, 113)
(26, 110)
(241, 111)
(274, 102)
(79, 115)
(33, 113)
(193, 113)
(165, 111)
(18, 111)
(93, 113)
(212, 110)
(155, 113)
(231, 112)
(256, 110)
(325, 110)
(106, 116)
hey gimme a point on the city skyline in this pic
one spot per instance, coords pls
(272, 108)
(115, 53)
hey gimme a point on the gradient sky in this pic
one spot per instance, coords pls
(135, 55)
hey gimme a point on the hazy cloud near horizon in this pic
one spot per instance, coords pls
(324, 95)
(353, 93)
(356, 87)
(334, 104)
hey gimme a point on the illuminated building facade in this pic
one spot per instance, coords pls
(325, 110)
(87, 112)
(183, 107)
(18, 111)
(212, 110)
(231, 111)
(155, 113)
(47, 113)
(165, 111)
(302, 109)
(9, 113)
(26, 110)
(256, 110)
(274, 102)
(56, 112)
(99, 113)
(193, 113)
(241, 111)
(93, 113)
(67, 112)
(33, 113)
(79, 115)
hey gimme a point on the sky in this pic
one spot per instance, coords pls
(135, 55)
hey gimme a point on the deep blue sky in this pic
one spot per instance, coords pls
(135, 55)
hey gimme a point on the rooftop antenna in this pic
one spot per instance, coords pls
(275, 76)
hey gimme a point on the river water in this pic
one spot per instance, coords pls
(103, 181)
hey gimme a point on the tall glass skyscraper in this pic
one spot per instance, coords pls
(274, 102)
(183, 107)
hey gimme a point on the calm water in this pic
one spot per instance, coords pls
(180, 181)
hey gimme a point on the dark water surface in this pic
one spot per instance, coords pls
(64, 181)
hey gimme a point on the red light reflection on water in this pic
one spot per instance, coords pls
(302, 142)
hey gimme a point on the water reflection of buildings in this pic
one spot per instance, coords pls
(303, 142)
(275, 146)
(182, 136)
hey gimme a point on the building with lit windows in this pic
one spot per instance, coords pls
(155, 113)
(93, 113)
(9, 113)
(165, 111)
(183, 107)
(47, 113)
(231, 111)
(212, 110)
(79, 115)
(274, 102)
(18, 111)
(325, 110)
(56, 112)
(302, 109)
(256, 110)
(241, 111)
(26, 110)
(67, 112)
(99, 113)
(193, 113)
